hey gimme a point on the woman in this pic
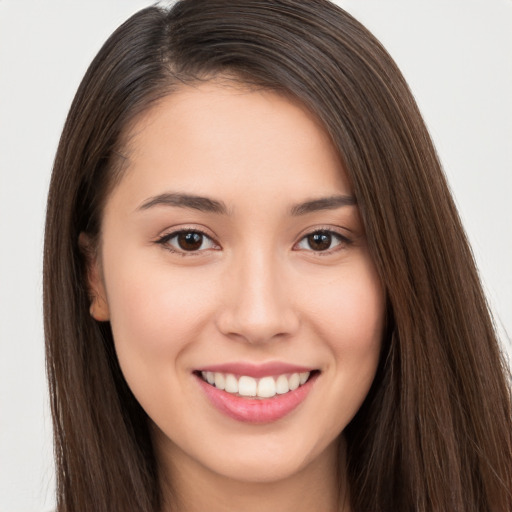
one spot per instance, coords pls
(213, 342)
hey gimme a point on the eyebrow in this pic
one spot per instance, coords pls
(209, 205)
(323, 203)
(203, 204)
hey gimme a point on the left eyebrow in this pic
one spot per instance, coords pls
(323, 203)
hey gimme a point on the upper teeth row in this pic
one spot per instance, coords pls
(265, 387)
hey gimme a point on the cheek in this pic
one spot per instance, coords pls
(348, 315)
(361, 320)
(360, 316)
(348, 310)
(156, 316)
(156, 313)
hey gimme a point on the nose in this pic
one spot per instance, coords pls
(257, 305)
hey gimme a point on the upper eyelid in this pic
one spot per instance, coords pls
(326, 229)
(173, 231)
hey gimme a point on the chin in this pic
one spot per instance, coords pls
(260, 471)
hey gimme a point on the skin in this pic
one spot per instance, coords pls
(255, 291)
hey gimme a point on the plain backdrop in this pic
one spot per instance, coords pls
(455, 54)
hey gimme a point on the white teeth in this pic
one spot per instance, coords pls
(282, 385)
(231, 384)
(220, 381)
(266, 387)
(247, 386)
(294, 381)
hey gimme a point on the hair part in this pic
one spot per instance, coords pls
(434, 432)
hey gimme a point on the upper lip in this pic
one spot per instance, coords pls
(256, 370)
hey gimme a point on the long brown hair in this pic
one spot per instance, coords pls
(435, 430)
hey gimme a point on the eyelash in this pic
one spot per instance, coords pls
(342, 240)
(164, 240)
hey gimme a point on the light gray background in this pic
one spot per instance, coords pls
(456, 55)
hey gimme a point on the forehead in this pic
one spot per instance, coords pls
(217, 138)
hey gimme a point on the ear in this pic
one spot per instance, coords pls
(99, 306)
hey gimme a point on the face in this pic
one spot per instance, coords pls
(232, 252)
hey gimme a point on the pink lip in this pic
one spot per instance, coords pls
(256, 370)
(250, 410)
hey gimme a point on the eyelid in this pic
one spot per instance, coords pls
(344, 241)
(169, 234)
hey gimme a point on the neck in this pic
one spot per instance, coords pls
(189, 486)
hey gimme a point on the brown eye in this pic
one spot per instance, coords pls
(320, 241)
(189, 241)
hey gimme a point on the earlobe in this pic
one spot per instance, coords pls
(98, 308)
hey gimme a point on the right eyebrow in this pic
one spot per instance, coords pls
(203, 204)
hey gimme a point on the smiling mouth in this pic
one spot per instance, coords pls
(258, 388)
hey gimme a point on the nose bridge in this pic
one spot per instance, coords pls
(258, 306)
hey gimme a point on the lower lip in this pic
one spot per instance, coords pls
(250, 410)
